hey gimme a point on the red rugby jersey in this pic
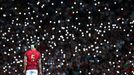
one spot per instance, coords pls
(33, 57)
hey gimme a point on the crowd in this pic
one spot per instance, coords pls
(75, 37)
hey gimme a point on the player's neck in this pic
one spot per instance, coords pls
(33, 49)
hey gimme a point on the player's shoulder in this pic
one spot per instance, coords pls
(38, 52)
(27, 51)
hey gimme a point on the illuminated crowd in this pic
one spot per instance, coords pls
(75, 37)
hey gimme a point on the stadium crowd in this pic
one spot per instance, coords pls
(75, 37)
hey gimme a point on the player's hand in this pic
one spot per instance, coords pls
(24, 71)
(40, 73)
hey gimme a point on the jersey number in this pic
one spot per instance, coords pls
(33, 57)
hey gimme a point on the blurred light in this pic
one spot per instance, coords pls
(105, 8)
(1, 8)
(59, 21)
(75, 3)
(15, 8)
(24, 13)
(99, 10)
(95, 4)
(115, 2)
(61, 2)
(80, 3)
(4, 15)
(89, 17)
(52, 3)
(122, 9)
(72, 7)
(42, 6)
(38, 3)
(98, 2)
(118, 71)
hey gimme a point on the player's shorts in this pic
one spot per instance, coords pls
(32, 72)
